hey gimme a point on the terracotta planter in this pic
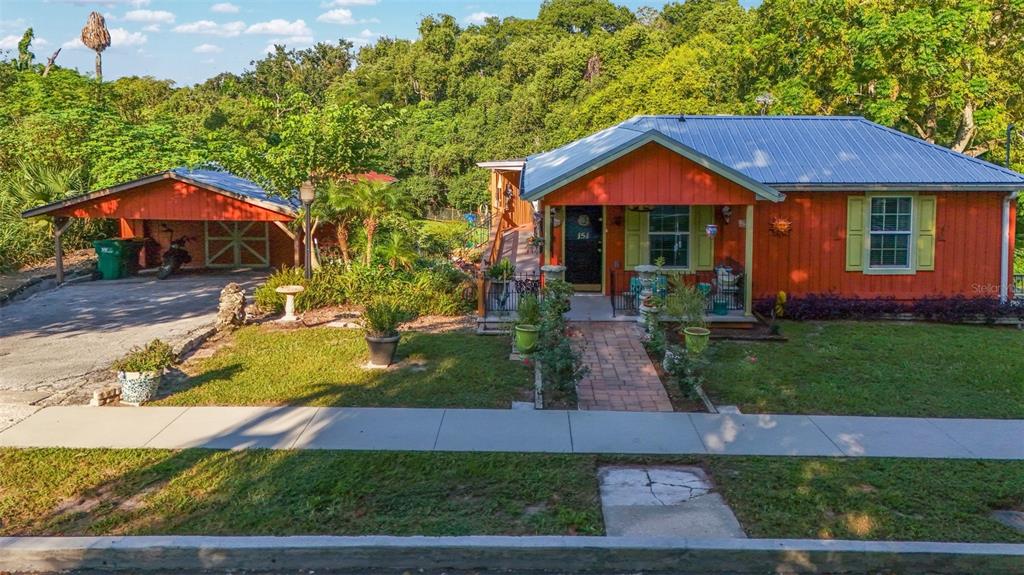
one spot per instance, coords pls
(526, 338)
(382, 349)
(138, 387)
(696, 339)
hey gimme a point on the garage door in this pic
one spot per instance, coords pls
(237, 244)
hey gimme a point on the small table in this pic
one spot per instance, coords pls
(289, 303)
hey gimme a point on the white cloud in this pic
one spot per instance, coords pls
(224, 8)
(290, 42)
(150, 16)
(280, 27)
(151, 28)
(207, 49)
(108, 3)
(119, 38)
(227, 30)
(339, 3)
(478, 17)
(337, 16)
(9, 42)
(17, 23)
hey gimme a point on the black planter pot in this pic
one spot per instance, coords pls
(382, 349)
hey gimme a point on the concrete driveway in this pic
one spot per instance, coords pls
(56, 346)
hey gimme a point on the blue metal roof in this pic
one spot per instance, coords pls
(783, 152)
(231, 183)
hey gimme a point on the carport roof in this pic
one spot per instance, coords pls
(224, 183)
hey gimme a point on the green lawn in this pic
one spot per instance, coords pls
(322, 366)
(875, 368)
(93, 492)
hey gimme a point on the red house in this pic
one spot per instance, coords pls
(748, 206)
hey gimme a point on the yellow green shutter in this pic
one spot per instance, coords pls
(703, 247)
(926, 233)
(637, 242)
(855, 232)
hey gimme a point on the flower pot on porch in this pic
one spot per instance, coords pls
(696, 339)
(138, 387)
(382, 349)
(526, 338)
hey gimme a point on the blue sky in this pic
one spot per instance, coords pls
(190, 40)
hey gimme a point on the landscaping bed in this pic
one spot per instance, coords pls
(122, 492)
(874, 368)
(323, 366)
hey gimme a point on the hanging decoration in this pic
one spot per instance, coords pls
(780, 226)
(711, 230)
(726, 214)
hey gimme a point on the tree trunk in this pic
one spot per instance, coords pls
(99, 67)
(341, 230)
(49, 62)
(371, 226)
(965, 132)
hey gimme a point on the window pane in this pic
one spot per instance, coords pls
(891, 214)
(890, 250)
(670, 219)
(673, 247)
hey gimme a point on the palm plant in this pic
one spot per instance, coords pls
(370, 201)
(397, 251)
(96, 37)
(28, 185)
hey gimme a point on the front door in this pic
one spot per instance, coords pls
(583, 234)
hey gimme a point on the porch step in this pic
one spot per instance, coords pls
(493, 325)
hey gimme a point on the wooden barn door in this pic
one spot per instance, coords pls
(237, 245)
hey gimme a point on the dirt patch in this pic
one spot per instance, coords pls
(441, 324)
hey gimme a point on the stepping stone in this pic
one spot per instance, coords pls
(664, 502)
(1012, 519)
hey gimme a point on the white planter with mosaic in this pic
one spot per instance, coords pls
(138, 387)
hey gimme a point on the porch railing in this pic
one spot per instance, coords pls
(1018, 286)
(724, 291)
(502, 298)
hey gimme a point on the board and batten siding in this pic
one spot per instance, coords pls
(171, 200)
(650, 175)
(812, 258)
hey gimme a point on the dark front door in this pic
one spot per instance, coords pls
(583, 232)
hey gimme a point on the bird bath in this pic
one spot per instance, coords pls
(289, 303)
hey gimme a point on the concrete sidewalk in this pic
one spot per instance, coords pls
(515, 430)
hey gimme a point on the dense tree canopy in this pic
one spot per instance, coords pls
(425, 110)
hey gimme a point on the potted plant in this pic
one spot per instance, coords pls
(688, 305)
(527, 326)
(500, 274)
(140, 371)
(381, 319)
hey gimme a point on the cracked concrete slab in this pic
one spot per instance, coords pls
(663, 501)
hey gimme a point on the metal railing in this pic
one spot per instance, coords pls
(502, 297)
(724, 291)
(1018, 285)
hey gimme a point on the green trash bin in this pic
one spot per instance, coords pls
(117, 258)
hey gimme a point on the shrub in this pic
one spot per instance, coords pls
(557, 295)
(155, 356)
(686, 303)
(382, 316)
(529, 310)
(948, 310)
(687, 369)
(504, 271)
(432, 289)
(561, 364)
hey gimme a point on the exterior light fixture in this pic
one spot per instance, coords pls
(307, 193)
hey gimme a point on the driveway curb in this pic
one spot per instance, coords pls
(523, 554)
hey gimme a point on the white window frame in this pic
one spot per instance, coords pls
(911, 266)
(688, 233)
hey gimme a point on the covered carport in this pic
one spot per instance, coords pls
(231, 222)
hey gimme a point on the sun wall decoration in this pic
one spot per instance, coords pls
(781, 226)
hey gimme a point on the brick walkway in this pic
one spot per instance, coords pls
(622, 377)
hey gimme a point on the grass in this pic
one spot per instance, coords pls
(875, 368)
(322, 367)
(91, 492)
(121, 492)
